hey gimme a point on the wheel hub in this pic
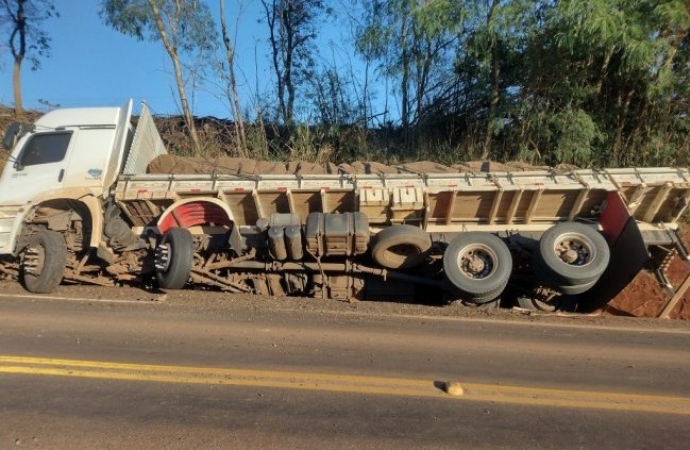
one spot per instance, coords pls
(476, 263)
(569, 256)
(162, 258)
(33, 260)
(574, 251)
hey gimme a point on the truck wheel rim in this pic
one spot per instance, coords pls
(34, 258)
(162, 258)
(574, 249)
(477, 261)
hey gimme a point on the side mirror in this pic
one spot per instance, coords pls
(11, 135)
(18, 167)
(14, 132)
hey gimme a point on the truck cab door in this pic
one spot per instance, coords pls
(38, 168)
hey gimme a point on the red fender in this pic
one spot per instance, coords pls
(192, 212)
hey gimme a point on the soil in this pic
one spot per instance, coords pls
(646, 297)
(214, 302)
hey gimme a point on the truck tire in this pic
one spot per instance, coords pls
(401, 247)
(578, 288)
(571, 254)
(562, 287)
(478, 265)
(44, 261)
(533, 304)
(174, 258)
(567, 289)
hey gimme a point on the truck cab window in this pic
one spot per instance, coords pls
(45, 148)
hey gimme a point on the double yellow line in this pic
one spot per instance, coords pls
(346, 384)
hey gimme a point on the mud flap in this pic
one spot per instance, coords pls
(628, 255)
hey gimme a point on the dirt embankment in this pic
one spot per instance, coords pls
(646, 297)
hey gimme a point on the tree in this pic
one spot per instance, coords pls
(596, 83)
(232, 93)
(23, 19)
(412, 40)
(493, 63)
(292, 30)
(625, 61)
(182, 26)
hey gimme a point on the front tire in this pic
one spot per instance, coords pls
(43, 262)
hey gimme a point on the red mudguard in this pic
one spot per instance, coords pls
(628, 254)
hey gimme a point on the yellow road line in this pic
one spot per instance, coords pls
(343, 383)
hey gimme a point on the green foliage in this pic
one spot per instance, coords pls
(591, 83)
(292, 27)
(21, 21)
(574, 135)
(412, 41)
(190, 23)
(183, 28)
(602, 82)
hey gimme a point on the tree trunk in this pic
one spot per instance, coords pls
(179, 79)
(17, 85)
(18, 54)
(241, 141)
(603, 70)
(494, 95)
(277, 51)
(288, 53)
(623, 105)
(404, 84)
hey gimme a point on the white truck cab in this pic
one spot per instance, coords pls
(66, 154)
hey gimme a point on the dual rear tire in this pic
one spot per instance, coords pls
(478, 266)
(571, 258)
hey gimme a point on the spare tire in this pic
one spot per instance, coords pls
(571, 254)
(478, 265)
(401, 247)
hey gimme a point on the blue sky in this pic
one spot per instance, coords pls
(93, 65)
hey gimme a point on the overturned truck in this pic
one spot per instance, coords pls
(86, 198)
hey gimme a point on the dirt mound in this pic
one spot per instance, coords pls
(7, 116)
(171, 164)
(646, 297)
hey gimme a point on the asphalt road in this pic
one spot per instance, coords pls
(196, 372)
